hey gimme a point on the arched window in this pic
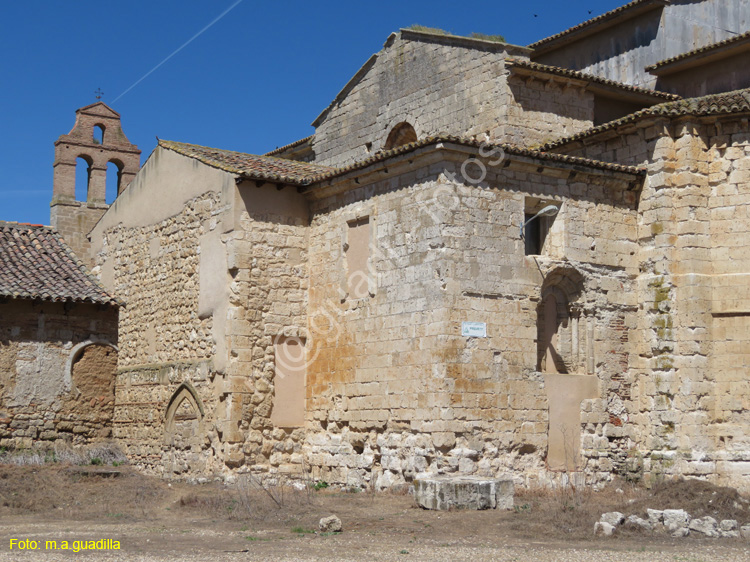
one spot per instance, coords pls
(183, 418)
(561, 346)
(401, 134)
(90, 373)
(98, 134)
(83, 177)
(114, 180)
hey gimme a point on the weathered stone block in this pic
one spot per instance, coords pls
(463, 492)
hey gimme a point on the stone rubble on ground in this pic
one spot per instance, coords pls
(330, 524)
(614, 518)
(643, 523)
(677, 522)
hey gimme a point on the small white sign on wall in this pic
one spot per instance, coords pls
(474, 329)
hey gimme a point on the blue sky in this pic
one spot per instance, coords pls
(253, 81)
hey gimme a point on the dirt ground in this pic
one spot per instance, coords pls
(256, 520)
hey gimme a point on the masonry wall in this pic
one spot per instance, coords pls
(444, 85)
(715, 77)
(57, 372)
(394, 389)
(622, 53)
(540, 111)
(161, 248)
(74, 220)
(690, 398)
(267, 307)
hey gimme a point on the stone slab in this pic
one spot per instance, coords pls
(463, 492)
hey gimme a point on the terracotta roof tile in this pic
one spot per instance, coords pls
(286, 147)
(558, 71)
(35, 263)
(250, 166)
(612, 14)
(703, 50)
(725, 103)
(473, 143)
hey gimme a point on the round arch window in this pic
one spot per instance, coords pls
(401, 134)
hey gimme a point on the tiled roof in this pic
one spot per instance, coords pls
(702, 51)
(305, 174)
(249, 165)
(35, 263)
(635, 6)
(725, 103)
(289, 146)
(473, 143)
(567, 73)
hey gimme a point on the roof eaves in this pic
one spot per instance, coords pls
(714, 51)
(538, 68)
(289, 146)
(42, 243)
(725, 103)
(628, 11)
(537, 155)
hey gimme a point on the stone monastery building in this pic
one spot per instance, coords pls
(365, 303)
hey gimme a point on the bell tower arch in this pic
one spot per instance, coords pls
(96, 138)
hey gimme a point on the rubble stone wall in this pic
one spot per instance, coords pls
(166, 340)
(57, 373)
(268, 306)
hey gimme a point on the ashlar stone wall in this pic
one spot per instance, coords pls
(689, 407)
(394, 389)
(445, 84)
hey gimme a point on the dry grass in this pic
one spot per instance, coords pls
(105, 453)
(565, 514)
(71, 491)
(251, 496)
(570, 513)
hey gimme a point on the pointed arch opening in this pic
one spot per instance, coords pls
(183, 406)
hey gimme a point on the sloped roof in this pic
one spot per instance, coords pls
(289, 146)
(35, 263)
(702, 52)
(488, 148)
(250, 166)
(567, 73)
(302, 174)
(415, 35)
(99, 105)
(724, 103)
(630, 9)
